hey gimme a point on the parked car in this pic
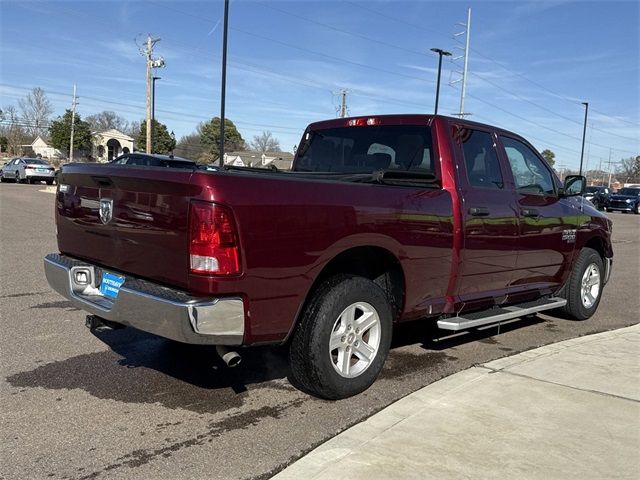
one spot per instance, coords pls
(154, 160)
(625, 200)
(2, 168)
(382, 220)
(29, 170)
(599, 196)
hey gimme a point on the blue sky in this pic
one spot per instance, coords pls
(531, 64)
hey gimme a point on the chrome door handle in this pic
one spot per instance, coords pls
(479, 211)
(529, 212)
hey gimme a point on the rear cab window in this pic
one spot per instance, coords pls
(363, 149)
(480, 158)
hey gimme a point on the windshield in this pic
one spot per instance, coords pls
(366, 149)
(629, 191)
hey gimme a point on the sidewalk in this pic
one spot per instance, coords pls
(570, 410)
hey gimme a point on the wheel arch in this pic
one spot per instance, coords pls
(376, 263)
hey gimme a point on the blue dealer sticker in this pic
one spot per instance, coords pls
(110, 285)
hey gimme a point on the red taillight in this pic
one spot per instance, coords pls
(213, 240)
(29, 166)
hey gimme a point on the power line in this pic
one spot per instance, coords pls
(548, 90)
(306, 83)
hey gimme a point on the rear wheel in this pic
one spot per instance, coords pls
(584, 287)
(342, 340)
(49, 182)
(17, 176)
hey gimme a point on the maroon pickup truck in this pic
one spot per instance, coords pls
(382, 220)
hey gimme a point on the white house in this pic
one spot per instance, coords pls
(281, 160)
(108, 144)
(42, 148)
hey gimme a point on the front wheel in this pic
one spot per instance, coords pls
(342, 339)
(584, 287)
(637, 209)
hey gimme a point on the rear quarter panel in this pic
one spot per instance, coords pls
(291, 228)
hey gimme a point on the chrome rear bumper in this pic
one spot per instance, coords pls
(150, 307)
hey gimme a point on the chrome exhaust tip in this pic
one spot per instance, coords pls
(230, 357)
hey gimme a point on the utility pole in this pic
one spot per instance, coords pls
(467, 34)
(225, 33)
(73, 122)
(151, 63)
(343, 105)
(584, 133)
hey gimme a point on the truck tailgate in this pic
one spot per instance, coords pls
(146, 235)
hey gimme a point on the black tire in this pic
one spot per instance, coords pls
(637, 209)
(312, 362)
(30, 181)
(49, 182)
(576, 308)
(18, 177)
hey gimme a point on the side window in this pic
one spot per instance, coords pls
(480, 159)
(529, 173)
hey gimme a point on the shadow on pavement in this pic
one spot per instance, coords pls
(142, 368)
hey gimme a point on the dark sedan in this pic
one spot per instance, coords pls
(154, 160)
(625, 200)
(599, 196)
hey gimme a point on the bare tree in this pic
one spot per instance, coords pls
(106, 120)
(133, 129)
(265, 142)
(36, 110)
(629, 169)
(12, 129)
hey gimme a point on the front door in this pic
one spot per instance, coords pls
(547, 224)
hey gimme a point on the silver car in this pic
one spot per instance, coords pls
(28, 170)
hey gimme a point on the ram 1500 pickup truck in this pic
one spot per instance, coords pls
(382, 219)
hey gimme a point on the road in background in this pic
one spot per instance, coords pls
(125, 404)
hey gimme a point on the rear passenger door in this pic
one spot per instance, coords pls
(489, 218)
(547, 225)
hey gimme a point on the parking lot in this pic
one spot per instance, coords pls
(125, 404)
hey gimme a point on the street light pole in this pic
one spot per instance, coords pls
(224, 78)
(153, 107)
(584, 133)
(440, 53)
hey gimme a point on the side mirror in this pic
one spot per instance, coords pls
(573, 185)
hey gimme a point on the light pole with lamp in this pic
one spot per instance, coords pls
(440, 53)
(584, 133)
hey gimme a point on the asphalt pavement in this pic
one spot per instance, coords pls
(125, 404)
